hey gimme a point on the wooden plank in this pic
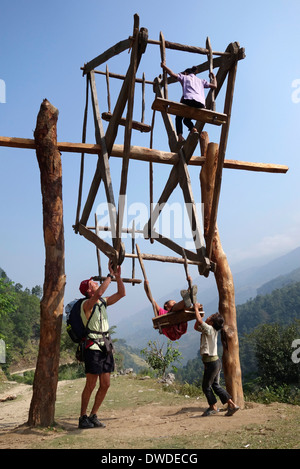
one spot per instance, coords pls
(170, 319)
(178, 109)
(122, 121)
(143, 154)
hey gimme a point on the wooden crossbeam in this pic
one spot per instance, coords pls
(143, 154)
(135, 125)
(178, 109)
(124, 280)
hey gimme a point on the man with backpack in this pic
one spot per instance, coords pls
(98, 356)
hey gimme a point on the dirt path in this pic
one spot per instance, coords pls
(146, 423)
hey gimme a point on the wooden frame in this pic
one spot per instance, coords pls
(179, 158)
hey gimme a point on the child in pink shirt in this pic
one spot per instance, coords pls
(193, 94)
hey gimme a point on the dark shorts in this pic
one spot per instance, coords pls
(97, 362)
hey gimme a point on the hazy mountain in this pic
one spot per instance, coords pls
(137, 329)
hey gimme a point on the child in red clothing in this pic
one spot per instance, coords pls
(175, 331)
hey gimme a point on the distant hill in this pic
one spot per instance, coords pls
(137, 329)
(279, 282)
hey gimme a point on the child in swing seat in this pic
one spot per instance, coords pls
(193, 94)
(175, 331)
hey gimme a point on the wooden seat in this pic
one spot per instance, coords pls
(169, 319)
(135, 125)
(178, 109)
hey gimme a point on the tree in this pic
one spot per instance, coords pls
(158, 360)
(223, 275)
(42, 407)
(273, 352)
(7, 297)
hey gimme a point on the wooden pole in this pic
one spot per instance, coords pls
(42, 405)
(224, 280)
(145, 277)
(82, 154)
(128, 131)
(163, 59)
(210, 61)
(221, 157)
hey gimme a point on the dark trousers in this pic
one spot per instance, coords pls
(186, 120)
(211, 382)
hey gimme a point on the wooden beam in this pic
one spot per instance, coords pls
(122, 77)
(104, 247)
(187, 48)
(124, 280)
(160, 258)
(143, 154)
(105, 56)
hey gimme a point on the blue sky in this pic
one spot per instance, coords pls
(43, 46)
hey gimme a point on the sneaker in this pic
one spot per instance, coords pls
(209, 412)
(96, 422)
(231, 411)
(84, 422)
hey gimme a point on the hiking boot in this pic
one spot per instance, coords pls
(96, 422)
(84, 422)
